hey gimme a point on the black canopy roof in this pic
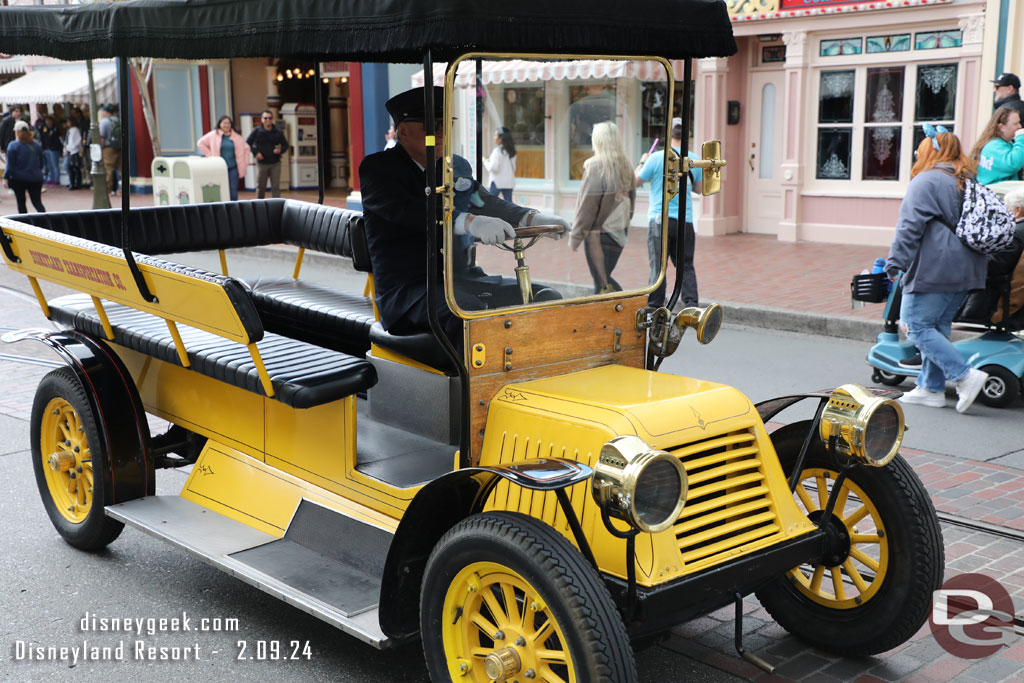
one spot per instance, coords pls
(367, 30)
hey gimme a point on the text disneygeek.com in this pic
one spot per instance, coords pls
(135, 648)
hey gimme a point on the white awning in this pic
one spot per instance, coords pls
(61, 84)
(11, 64)
(525, 71)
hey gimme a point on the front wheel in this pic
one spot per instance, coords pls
(1001, 387)
(505, 598)
(872, 591)
(889, 379)
(69, 462)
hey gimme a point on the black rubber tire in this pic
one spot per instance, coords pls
(1001, 388)
(573, 591)
(889, 379)
(96, 530)
(915, 566)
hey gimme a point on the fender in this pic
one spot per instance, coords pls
(438, 507)
(122, 424)
(771, 407)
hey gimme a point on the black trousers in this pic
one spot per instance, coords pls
(34, 192)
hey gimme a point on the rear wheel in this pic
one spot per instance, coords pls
(1001, 387)
(506, 598)
(889, 379)
(69, 462)
(873, 590)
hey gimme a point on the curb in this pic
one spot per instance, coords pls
(751, 315)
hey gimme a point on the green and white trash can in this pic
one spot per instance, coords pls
(189, 180)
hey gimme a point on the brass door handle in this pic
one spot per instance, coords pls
(751, 162)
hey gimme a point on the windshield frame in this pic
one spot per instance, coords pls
(446, 190)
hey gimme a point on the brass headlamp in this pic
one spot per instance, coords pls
(862, 425)
(639, 484)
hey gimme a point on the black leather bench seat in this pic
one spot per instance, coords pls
(303, 375)
(318, 315)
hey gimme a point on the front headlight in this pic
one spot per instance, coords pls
(867, 427)
(639, 484)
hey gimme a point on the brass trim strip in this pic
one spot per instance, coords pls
(268, 387)
(178, 343)
(108, 331)
(298, 263)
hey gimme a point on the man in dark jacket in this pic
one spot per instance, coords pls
(392, 185)
(268, 144)
(1007, 93)
(7, 129)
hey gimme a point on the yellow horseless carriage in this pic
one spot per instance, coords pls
(531, 507)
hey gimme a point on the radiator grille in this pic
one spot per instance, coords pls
(728, 505)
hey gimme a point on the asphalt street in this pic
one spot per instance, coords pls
(49, 587)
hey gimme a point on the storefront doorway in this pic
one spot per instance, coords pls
(765, 120)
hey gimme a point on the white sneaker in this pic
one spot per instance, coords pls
(969, 387)
(922, 397)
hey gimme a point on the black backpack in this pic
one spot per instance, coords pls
(114, 139)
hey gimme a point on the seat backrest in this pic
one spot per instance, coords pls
(326, 229)
(173, 229)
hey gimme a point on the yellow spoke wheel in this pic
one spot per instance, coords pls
(881, 560)
(506, 598)
(854, 575)
(69, 462)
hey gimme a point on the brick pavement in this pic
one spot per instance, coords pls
(743, 269)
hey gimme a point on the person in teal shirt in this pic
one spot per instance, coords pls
(652, 169)
(999, 152)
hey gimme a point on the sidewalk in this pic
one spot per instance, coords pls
(796, 286)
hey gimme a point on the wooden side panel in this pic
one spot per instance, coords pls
(547, 343)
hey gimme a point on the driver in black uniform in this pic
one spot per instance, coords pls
(394, 208)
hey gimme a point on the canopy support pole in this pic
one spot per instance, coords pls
(433, 256)
(684, 181)
(124, 111)
(321, 127)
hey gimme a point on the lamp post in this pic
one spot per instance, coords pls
(100, 198)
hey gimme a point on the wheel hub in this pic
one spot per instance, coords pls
(61, 462)
(502, 664)
(837, 539)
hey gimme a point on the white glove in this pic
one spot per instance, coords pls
(548, 219)
(490, 230)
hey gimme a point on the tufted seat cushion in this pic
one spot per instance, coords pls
(318, 315)
(302, 375)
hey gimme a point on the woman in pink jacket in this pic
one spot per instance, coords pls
(224, 141)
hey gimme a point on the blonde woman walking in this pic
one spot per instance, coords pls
(604, 206)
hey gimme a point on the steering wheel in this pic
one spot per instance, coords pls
(531, 232)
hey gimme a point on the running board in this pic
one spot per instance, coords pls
(221, 542)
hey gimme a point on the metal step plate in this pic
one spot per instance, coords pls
(213, 538)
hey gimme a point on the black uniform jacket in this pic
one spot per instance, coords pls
(395, 210)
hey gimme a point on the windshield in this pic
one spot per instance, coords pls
(562, 141)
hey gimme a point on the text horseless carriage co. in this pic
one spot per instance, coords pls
(529, 508)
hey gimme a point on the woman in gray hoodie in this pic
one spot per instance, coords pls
(938, 269)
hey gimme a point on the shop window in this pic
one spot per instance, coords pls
(894, 43)
(934, 40)
(840, 46)
(936, 92)
(882, 143)
(523, 110)
(588, 104)
(835, 106)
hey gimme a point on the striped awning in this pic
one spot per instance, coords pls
(526, 71)
(70, 83)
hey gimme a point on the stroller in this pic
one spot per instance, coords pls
(997, 350)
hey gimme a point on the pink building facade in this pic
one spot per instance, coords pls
(823, 106)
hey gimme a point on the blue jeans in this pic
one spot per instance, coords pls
(688, 295)
(233, 183)
(929, 319)
(51, 165)
(505, 192)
